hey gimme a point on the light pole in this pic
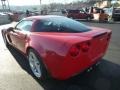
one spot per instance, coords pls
(8, 5)
(5, 5)
(40, 6)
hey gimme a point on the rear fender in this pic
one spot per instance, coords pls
(39, 49)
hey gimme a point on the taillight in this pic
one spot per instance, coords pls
(74, 51)
(83, 47)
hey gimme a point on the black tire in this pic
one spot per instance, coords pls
(88, 18)
(44, 73)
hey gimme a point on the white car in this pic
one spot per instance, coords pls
(4, 18)
(114, 14)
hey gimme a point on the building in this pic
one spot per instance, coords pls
(107, 3)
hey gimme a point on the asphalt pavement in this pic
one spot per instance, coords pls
(16, 75)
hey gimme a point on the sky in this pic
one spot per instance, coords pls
(36, 2)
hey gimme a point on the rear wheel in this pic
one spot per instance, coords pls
(36, 65)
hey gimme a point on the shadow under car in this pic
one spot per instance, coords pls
(105, 76)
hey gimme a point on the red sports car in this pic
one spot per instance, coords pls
(57, 45)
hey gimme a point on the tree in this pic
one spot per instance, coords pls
(116, 4)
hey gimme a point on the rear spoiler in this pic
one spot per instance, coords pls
(101, 34)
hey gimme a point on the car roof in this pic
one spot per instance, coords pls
(41, 17)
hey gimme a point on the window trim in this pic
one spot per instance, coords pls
(23, 21)
(87, 28)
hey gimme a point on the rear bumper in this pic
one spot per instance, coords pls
(72, 67)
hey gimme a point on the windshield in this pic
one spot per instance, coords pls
(60, 24)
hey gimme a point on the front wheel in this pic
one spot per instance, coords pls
(36, 65)
(88, 19)
(110, 19)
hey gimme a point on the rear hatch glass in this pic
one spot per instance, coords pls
(60, 24)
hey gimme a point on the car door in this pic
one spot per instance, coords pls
(21, 33)
(14, 33)
(11, 38)
(76, 14)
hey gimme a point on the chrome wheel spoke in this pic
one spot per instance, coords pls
(34, 64)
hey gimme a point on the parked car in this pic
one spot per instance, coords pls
(4, 18)
(16, 16)
(79, 14)
(99, 14)
(57, 45)
(114, 14)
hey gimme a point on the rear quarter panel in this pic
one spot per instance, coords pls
(53, 49)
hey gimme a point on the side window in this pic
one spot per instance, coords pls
(25, 25)
(43, 26)
(82, 11)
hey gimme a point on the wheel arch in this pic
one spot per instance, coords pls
(37, 52)
(27, 49)
(30, 47)
(44, 67)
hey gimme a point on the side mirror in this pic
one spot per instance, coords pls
(10, 29)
